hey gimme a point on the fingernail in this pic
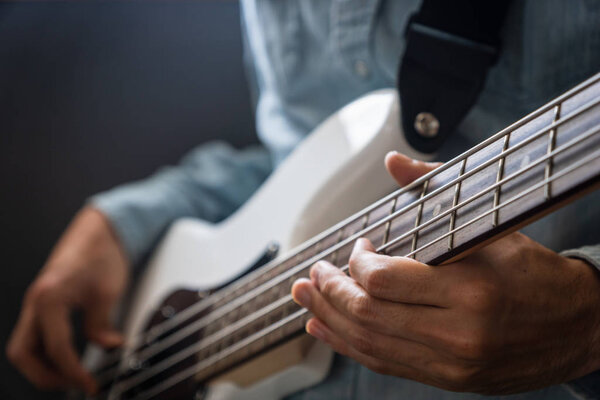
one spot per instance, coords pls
(313, 329)
(302, 297)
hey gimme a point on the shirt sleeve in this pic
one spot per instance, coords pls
(591, 254)
(210, 183)
(587, 386)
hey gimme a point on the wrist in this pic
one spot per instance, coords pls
(589, 295)
(89, 237)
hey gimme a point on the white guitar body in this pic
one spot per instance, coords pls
(312, 190)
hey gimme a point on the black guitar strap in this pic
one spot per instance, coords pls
(450, 46)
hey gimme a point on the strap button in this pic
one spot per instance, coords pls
(426, 124)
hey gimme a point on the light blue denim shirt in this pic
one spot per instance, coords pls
(308, 58)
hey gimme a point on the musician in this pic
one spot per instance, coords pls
(515, 316)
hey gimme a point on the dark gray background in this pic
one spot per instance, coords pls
(98, 93)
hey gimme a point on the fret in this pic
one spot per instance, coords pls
(551, 144)
(365, 221)
(234, 333)
(498, 178)
(334, 256)
(317, 247)
(388, 225)
(463, 164)
(418, 218)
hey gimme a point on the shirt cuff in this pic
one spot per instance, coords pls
(591, 254)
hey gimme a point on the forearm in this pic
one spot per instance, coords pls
(210, 183)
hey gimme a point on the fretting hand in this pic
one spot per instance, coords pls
(86, 270)
(510, 317)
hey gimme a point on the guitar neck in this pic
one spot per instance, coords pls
(528, 169)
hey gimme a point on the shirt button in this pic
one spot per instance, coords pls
(361, 68)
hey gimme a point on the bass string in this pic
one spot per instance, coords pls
(188, 312)
(196, 327)
(303, 315)
(275, 281)
(172, 362)
(110, 372)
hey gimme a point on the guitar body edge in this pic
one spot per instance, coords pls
(314, 188)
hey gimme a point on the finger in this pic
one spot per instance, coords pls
(391, 345)
(98, 327)
(321, 331)
(57, 339)
(414, 322)
(21, 351)
(399, 279)
(404, 169)
(441, 374)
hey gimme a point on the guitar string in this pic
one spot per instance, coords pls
(203, 343)
(197, 326)
(183, 315)
(223, 310)
(303, 313)
(260, 313)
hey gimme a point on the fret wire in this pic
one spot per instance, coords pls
(563, 172)
(498, 177)
(551, 143)
(365, 221)
(192, 310)
(334, 257)
(202, 305)
(528, 118)
(418, 217)
(388, 225)
(564, 147)
(558, 150)
(455, 202)
(302, 313)
(276, 280)
(514, 198)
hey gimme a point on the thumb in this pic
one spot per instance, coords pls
(99, 329)
(404, 169)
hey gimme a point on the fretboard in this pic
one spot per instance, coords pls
(533, 166)
(514, 177)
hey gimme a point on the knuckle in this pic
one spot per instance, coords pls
(42, 290)
(330, 286)
(362, 342)
(361, 307)
(474, 345)
(482, 297)
(375, 279)
(459, 378)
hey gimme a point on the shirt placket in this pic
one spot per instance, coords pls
(352, 22)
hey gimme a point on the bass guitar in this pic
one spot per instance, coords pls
(212, 316)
